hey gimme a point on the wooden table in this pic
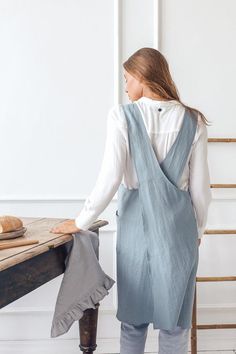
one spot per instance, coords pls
(25, 268)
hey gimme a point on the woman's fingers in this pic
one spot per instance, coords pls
(65, 227)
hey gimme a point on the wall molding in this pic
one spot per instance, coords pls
(66, 198)
(37, 198)
(104, 309)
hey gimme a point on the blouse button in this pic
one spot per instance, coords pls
(159, 109)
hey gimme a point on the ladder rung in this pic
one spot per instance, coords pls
(202, 279)
(227, 232)
(216, 326)
(222, 140)
(223, 185)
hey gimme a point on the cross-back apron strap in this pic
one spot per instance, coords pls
(174, 163)
(145, 160)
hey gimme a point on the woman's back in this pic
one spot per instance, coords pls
(163, 120)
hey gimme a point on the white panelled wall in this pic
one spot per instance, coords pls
(61, 71)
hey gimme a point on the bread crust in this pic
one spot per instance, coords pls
(9, 223)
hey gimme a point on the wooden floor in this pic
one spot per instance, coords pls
(216, 352)
(201, 352)
(206, 352)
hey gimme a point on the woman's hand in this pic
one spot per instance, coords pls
(199, 241)
(66, 227)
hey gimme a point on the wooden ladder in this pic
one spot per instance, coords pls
(196, 326)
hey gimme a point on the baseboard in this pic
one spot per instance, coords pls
(206, 342)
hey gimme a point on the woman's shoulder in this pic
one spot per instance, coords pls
(116, 116)
(201, 130)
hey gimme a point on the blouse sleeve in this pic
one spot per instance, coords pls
(199, 179)
(110, 174)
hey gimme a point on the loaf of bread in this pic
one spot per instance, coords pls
(9, 223)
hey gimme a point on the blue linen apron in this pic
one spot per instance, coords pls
(157, 236)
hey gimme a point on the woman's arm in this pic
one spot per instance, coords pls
(110, 174)
(199, 179)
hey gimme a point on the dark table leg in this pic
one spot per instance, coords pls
(88, 330)
(88, 326)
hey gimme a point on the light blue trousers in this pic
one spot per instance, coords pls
(133, 338)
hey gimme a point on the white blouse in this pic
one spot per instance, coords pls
(118, 167)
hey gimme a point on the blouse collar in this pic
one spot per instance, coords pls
(157, 102)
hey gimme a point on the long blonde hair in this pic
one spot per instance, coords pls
(150, 67)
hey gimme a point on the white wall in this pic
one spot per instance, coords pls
(61, 71)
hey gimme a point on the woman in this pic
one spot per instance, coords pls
(156, 154)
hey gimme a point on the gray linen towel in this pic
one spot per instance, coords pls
(84, 282)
